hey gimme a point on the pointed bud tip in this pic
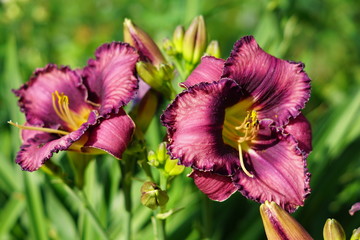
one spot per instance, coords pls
(333, 230)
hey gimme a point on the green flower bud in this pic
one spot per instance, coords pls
(152, 196)
(356, 234)
(152, 159)
(139, 39)
(194, 41)
(213, 49)
(169, 47)
(178, 38)
(333, 230)
(279, 224)
(162, 153)
(172, 168)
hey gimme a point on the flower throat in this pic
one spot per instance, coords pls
(240, 128)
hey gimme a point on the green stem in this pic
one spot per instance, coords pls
(159, 227)
(160, 224)
(126, 167)
(81, 197)
(180, 68)
(207, 216)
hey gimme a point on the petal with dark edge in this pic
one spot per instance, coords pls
(216, 187)
(194, 122)
(37, 150)
(36, 95)
(110, 77)
(300, 128)
(209, 70)
(111, 135)
(279, 88)
(280, 175)
(354, 208)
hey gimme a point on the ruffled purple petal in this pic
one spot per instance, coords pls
(37, 150)
(280, 175)
(194, 122)
(110, 77)
(36, 95)
(209, 70)
(111, 135)
(216, 187)
(354, 208)
(279, 88)
(300, 128)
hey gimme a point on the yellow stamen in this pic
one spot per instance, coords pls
(242, 162)
(60, 104)
(48, 130)
(239, 133)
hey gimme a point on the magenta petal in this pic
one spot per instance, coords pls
(279, 88)
(112, 135)
(300, 128)
(194, 122)
(280, 175)
(209, 70)
(110, 77)
(36, 95)
(354, 208)
(216, 187)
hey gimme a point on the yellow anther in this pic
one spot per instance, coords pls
(60, 104)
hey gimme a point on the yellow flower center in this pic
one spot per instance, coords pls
(240, 128)
(72, 119)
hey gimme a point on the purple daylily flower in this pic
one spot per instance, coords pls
(239, 126)
(78, 110)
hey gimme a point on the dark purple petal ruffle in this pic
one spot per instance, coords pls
(209, 70)
(37, 150)
(110, 77)
(36, 95)
(300, 129)
(279, 88)
(280, 174)
(216, 187)
(111, 135)
(194, 122)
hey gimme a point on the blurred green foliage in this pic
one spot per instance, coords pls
(323, 34)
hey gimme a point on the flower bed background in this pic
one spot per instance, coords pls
(322, 34)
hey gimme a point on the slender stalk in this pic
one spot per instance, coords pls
(81, 197)
(207, 216)
(160, 224)
(126, 167)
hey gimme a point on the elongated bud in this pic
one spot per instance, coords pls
(178, 38)
(139, 39)
(356, 234)
(161, 153)
(194, 41)
(200, 43)
(279, 224)
(333, 230)
(152, 196)
(213, 49)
